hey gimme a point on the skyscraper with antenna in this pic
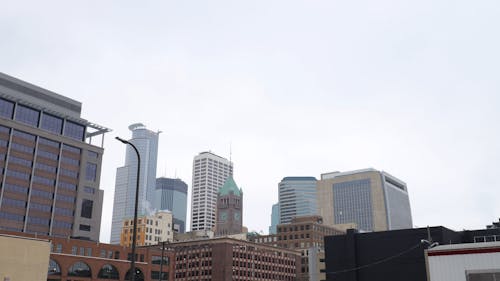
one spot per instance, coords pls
(210, 171)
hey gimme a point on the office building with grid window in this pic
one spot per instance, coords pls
(50, 170)
(171, 194)
(297, 197)
(210, 171)
(373, 200)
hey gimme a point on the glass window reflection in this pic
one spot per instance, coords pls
(51, 123)
(27, 115)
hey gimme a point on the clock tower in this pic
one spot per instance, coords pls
(229, 209)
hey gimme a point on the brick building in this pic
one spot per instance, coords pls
(224, 259)
(304, 234)
(85, 260)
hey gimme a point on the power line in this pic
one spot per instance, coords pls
(377, 262)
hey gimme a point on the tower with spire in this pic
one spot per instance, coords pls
(229, 209)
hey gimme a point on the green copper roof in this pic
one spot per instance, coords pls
(229, 186)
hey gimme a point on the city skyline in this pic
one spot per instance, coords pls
(294, 88)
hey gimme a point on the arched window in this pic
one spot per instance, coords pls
(108, 272)
(139, 276)
(80, 269)
(54, 268)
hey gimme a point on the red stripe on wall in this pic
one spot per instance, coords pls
(464, 252)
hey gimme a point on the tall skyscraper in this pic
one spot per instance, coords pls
(297, 197)
(171, 194)
(210, 171)
(373, 200)
(146, 142)
(275, 218)
(50, 175)
(229, 209)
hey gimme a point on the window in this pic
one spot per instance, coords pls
(24, 135)
(87, 208)
(486, 275)
(74, 130)
(84, 227)
(6, 108)
(79, 269)
(66, 198)
(54, 268)
(62, 224)
(51, 123)
(66, 185)
(69, 173)
(59, 248)
(89, 189)
(27, 115)
(157, 260)
(89, 252)
(82, 251)
(91, 172)
(48, 142)
(44, 180)
(74, 250)
(92, 154)
(108, 272)
(71, 149)
(10, 216)
(40, 207)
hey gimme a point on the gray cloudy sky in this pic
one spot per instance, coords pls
(298, 88)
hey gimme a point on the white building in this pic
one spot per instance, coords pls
(151, 229)
(146, 142)
(464, 262)
(209, 174)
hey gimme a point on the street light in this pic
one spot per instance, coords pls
(134, 234)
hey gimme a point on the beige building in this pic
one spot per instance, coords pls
(23, 258)
(373, 200)
(151, 230)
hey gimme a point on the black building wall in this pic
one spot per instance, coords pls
(387, 255)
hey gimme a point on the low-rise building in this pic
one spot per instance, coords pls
(303, 234)
(464, 262)
(151, 230)
(76, 259)
(23, 258)
(392, 255)
(225, 259)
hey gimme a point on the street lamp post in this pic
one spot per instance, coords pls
(161, 261)
(134, 234)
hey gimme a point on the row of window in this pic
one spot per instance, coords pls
(43, 120)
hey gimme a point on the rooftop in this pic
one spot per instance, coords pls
(229, 186)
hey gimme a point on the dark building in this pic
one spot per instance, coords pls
(229, 209)
(389, 255)
(495, 224)
(171, 194)
(49, 167)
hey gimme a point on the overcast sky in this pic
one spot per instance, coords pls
(297, 88)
